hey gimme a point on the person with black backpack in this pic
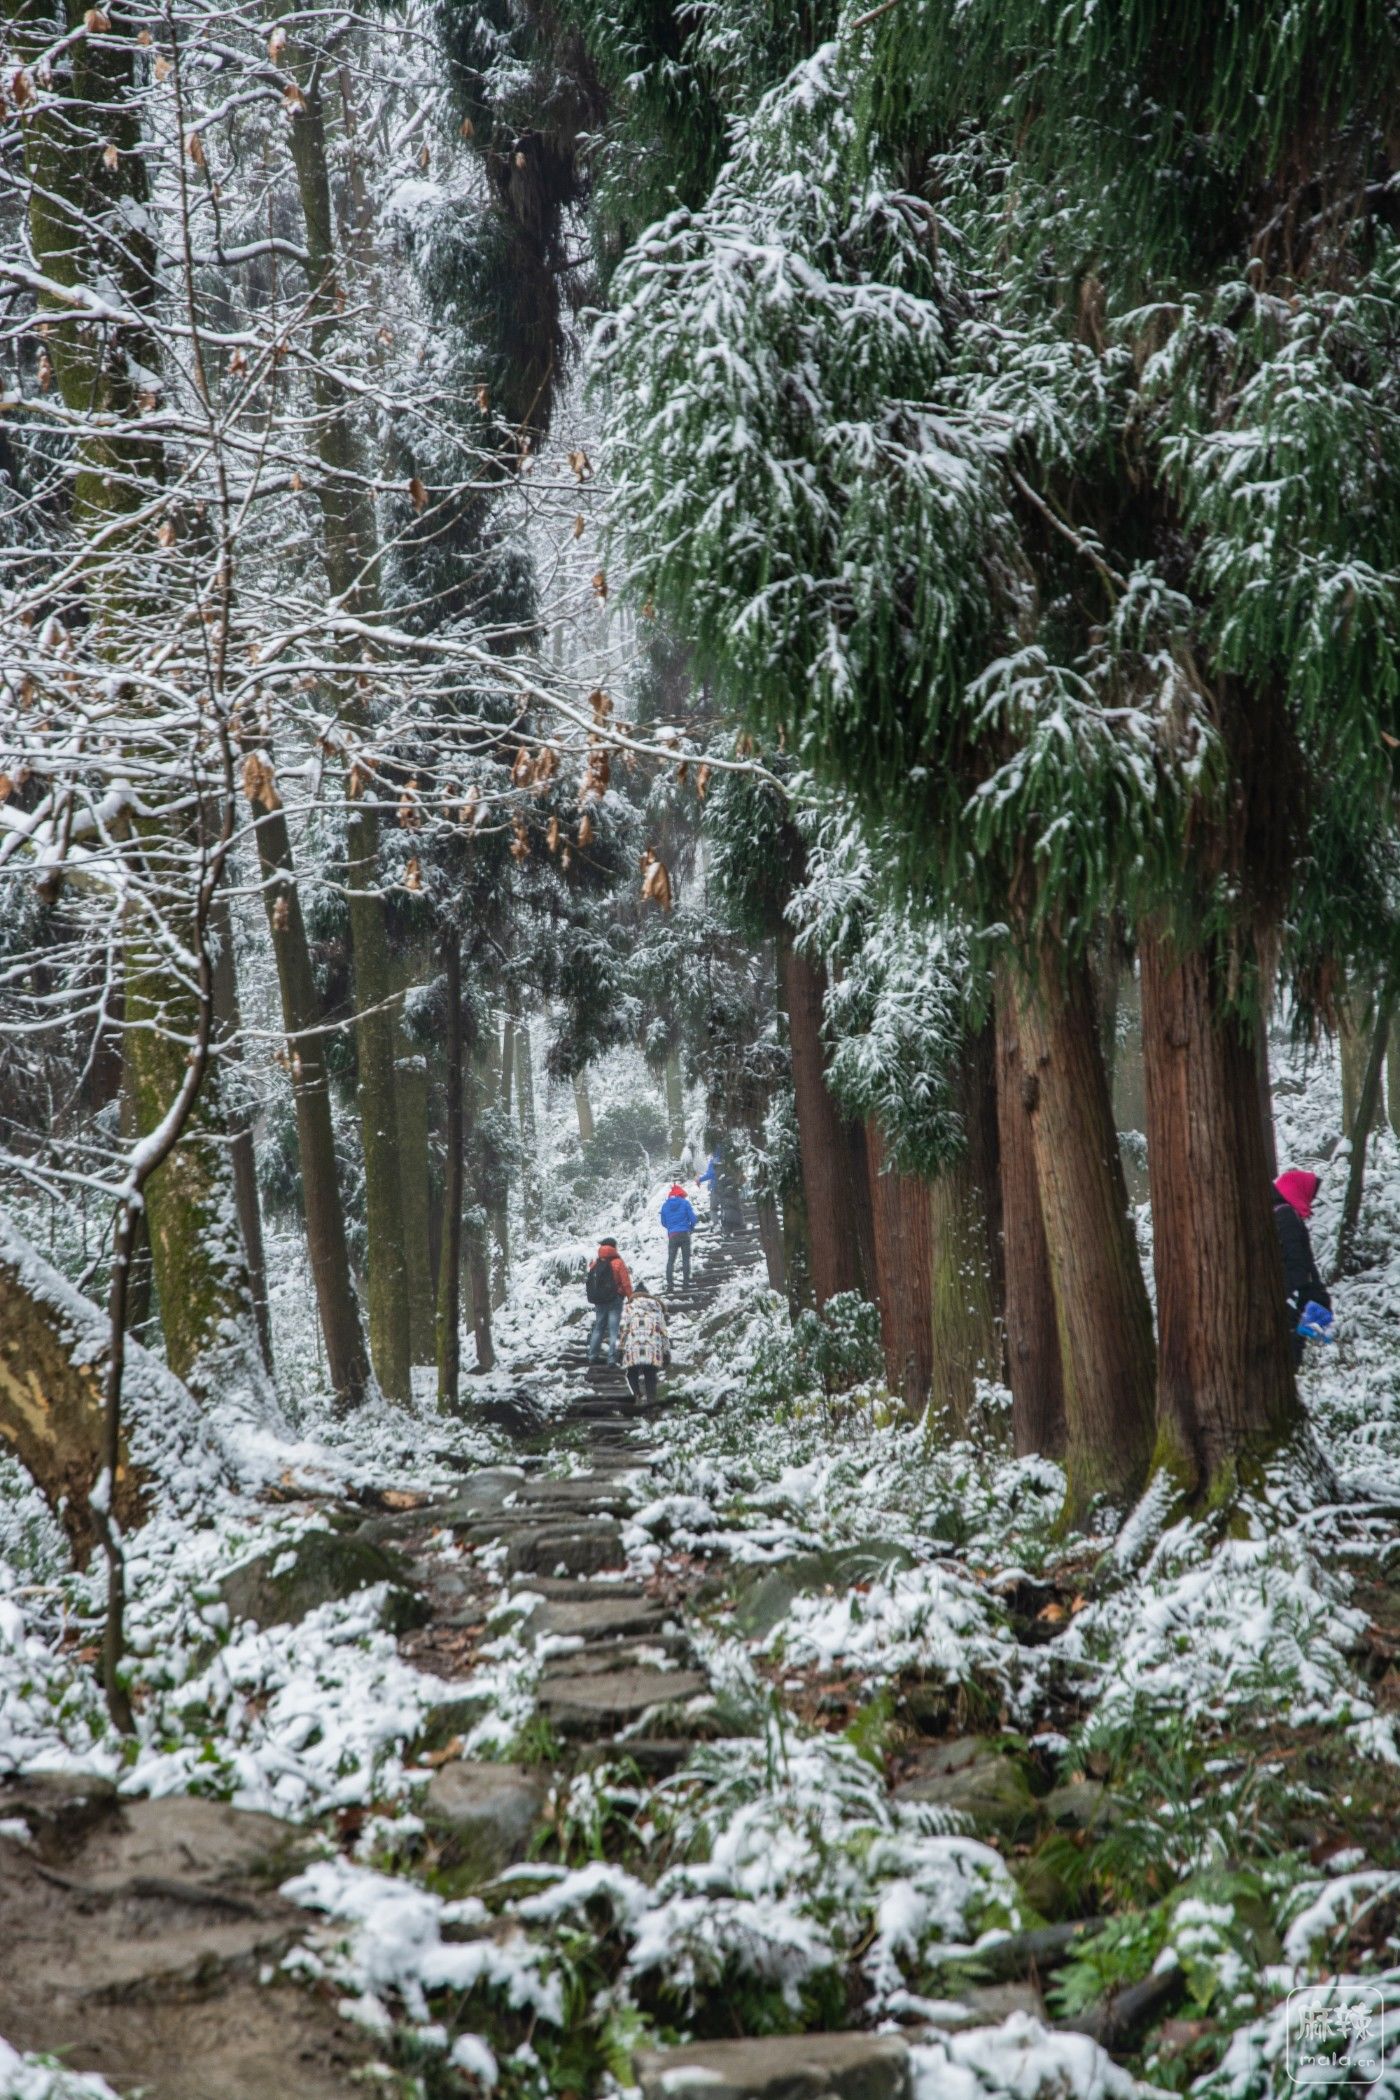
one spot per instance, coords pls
(609, 1287)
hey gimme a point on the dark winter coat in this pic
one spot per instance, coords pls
(678, 1214)
(1301, 1278)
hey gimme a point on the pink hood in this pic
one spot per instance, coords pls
(1298, 1188)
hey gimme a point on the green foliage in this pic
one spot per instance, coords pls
(628, 1137)
(825, 1352)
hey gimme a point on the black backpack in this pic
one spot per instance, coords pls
(602, 1282)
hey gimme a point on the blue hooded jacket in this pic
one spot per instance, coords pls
(678, 1213)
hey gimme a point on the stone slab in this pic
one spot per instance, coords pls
(490, 1812)
(586, 1705)
(779, 2067)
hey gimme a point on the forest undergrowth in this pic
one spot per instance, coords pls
(1176, 1734)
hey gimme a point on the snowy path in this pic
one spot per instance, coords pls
(683, 1747)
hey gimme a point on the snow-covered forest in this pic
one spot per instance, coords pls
(699, 1073)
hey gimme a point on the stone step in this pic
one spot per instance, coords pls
(587, 1706)
(780, 2067)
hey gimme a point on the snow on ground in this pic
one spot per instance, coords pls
(777, 1860)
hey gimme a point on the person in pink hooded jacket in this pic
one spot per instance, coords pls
(1302, 1280)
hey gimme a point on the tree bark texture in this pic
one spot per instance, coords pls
(449, 1288)
(531, 1196)
(1225, 1376)
(52, 1409)
(1101, 1308)
(479, 1091)
(903, 1263)
(583, 1107)
(1353, 1043)
(1365, 1122)
(1032, 1337)
(347, 1358)
(240, 1124)
(964, 1227)
(201, 1274)
(829, 1168)
(414, 1155)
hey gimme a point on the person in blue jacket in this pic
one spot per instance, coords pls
(678, 1217)
(709, 1180)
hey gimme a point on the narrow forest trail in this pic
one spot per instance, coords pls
(735, 1801)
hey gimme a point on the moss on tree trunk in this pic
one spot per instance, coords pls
(1101, 1308)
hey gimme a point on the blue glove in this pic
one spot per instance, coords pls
(1316, 1323)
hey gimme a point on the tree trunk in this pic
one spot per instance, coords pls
(351, 558)
(583, 1107)
(1353, 1043)
(201, 1276)
(1032, 1338)
(531, 1194)
(347, 1360)
(1364, 1124)
(450, 1255)
(507, 1062)
(1225, 1376)
(1392, 1079)
(496, 1076)
(903, 1262)
(414, 1147)
(1266, 1098)
(964, 1229)
(480, 1090)
(833, 1206)
(88, 215)
(53, 1346)
(140, 1293)
(675, 1105)
(1101, 1306)
(228, 1024)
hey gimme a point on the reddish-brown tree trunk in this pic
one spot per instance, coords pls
(838, 1213)
(1032, 1337)
(1101, 1307)
(903, 1262)
(1225, 1382)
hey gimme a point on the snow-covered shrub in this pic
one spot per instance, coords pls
(825, 1352)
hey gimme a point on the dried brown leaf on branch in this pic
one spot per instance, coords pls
(410, 810)
(281, 914)
(600, 584)
(111, 158)
(418, 493)
(196, 149)
(96, 22)
(520, 840)
(544, 769)
(597, 775)
(522, 768)
(413, 875)
(277, 43)
(656, 880)
(294, 98)
(580, 462)
(258, 782)
(585, 829)
(702, 781)
(552, 835)
(578, 526)
(601, 703)
(470, 811)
